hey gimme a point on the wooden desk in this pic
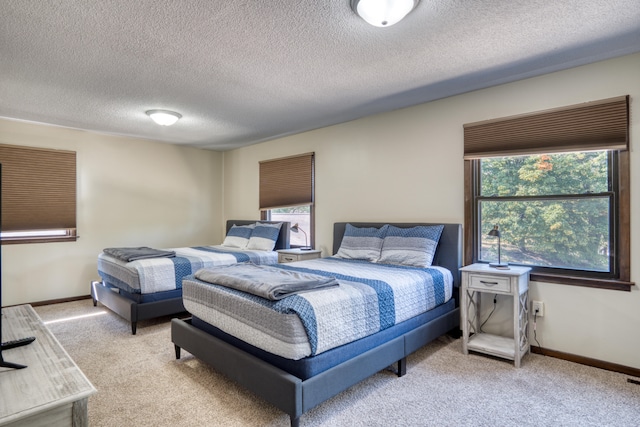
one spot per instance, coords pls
(52, 390)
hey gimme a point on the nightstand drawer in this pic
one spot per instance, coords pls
(292, 255)
(282, 258)
(489, 283)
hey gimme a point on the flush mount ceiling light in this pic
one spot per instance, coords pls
(164, 117)
(383, 13)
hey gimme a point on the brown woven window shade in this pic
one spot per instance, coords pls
(597, 125)
(287, 181)
(38, 189)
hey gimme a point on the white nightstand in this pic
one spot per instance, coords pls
(480, 278)
(291, 255)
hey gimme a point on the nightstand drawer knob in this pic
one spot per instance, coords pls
(287, 258)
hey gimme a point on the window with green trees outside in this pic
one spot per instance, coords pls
(556, 183)
(553, 210)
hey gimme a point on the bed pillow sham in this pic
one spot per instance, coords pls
(238, 236)
(264, 237)
(414, 247)
(362, 242)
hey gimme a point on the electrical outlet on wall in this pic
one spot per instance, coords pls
(537, 308)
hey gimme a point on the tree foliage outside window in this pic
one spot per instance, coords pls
(553, 210)
(292, 210)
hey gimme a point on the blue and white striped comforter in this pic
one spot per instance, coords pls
(370, 297)
(152, 275)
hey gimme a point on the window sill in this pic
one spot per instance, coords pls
(589, 282)
(6, 241)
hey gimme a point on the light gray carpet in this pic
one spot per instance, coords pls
(140, 383)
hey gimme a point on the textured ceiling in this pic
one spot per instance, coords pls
(242, 72)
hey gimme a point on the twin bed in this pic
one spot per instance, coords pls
(152, 287)
(396, 289)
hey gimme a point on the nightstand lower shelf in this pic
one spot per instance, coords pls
(494, 345)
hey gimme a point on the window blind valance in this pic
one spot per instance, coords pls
(597, 125)
(38, 189)
(287, 181)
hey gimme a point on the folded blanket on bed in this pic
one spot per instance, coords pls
(132, 254)
(264, 281)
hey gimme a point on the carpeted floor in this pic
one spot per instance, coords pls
(140, 383)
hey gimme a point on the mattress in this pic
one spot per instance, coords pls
(370, 298)
(156, 275)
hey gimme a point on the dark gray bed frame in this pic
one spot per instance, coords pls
(134, 311)
(295, 396)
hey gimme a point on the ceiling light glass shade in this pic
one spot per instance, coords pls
(383, 13)
(164, 117)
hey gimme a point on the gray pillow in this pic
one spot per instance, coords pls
(413, 246)
(238, 236)
(362, 242)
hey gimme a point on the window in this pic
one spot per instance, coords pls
(287, 194)
(557, 188)
(300, 215)
(553, 210)
(38, 195)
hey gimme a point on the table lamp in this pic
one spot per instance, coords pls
(306, 246)
(495, 232)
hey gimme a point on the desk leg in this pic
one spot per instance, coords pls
(469, 309)
(516, 330)
(520, 326)
(80, 413)
(464, 319)
(524, 325)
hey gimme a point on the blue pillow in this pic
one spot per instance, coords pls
(413, 246)
(362, 242)
(238, 236)
(264, 237)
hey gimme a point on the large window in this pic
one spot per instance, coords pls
(38, 190)
(287, 194)
(555, 211)
(560, 201)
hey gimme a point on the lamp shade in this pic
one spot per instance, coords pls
(494, 232)
(383, 13)
(164, 117)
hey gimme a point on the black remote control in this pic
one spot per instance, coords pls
(17, 343)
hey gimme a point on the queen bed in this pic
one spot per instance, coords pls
(139, 287)
(299, 349)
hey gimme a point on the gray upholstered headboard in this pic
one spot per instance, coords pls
(449, 251)
(283, 237)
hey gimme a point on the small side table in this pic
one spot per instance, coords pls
(480, 278)
(291, 255)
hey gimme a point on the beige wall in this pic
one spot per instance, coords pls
(406, 165)
(131, 192)
(399, 166)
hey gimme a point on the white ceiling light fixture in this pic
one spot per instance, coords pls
(383, 13)
(164, 117)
